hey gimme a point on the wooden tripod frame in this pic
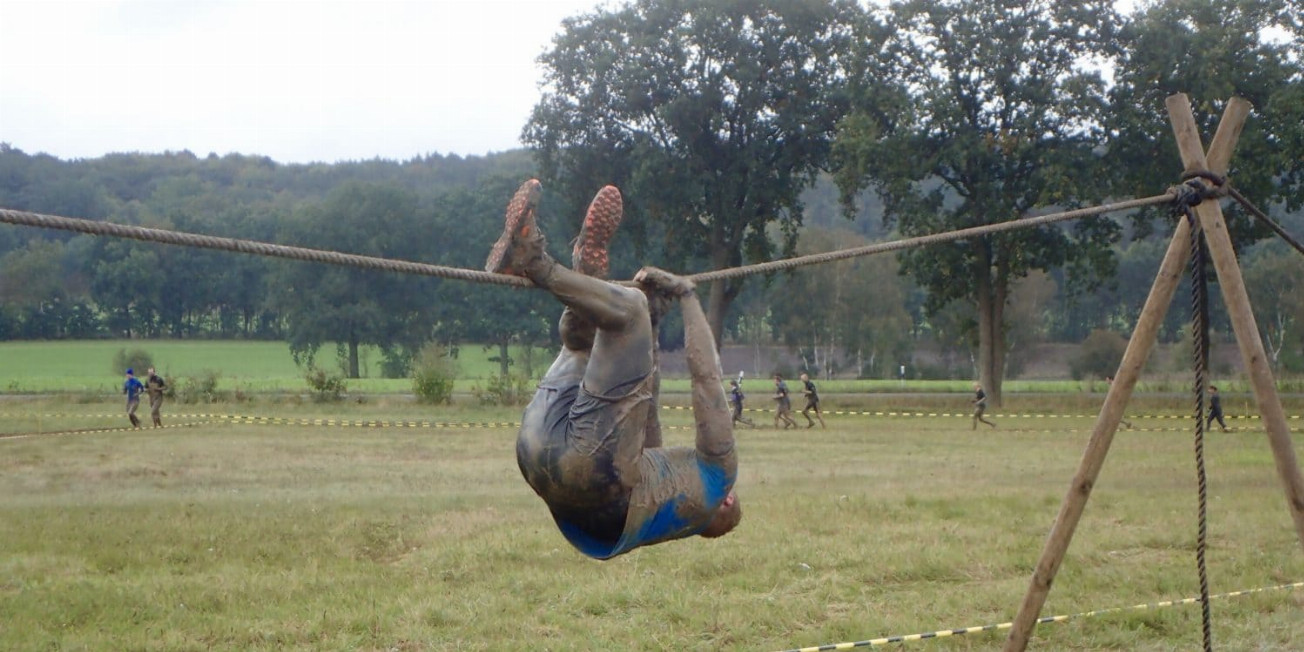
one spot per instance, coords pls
(1237, 301)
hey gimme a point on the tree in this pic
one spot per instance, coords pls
(1117, 303)
(36, 291)
(976, 113)
(348, 306)
(953, 328)
(711, 116)
(117, 270)
(496, 317)
(1026, 319)
(1212, 50)
(853, 308)
(145, 289)
(1099, 355)
(1272, 277)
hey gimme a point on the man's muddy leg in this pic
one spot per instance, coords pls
(589, 256)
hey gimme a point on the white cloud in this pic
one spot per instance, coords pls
(294, 80)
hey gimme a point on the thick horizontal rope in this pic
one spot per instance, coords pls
(921, 241)
(182, 239)
(1040, 621)
(178, 238)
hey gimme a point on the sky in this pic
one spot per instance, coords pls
(296, 80)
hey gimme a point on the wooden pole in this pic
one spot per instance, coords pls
(1120, 392)
(1238, 307)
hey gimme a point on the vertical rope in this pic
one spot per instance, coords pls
(1200, 352)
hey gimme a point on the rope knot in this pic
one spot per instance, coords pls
(1197, 186)
(1206, 184)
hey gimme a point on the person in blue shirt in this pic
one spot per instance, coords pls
(132, 388)
(585, 445)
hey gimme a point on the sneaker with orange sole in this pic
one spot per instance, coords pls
(589, 256)
(521, 240)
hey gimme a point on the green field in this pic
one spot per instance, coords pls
(255, 368)
(265, 536)
(250, 366)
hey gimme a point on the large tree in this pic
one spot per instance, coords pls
(710, 115)
(1212, 50)
(976, 113)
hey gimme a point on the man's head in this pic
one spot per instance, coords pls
(804, 377)
(151, 371)
(726, 517)
(977, 387)
(733, 383)
(1213, 389)
(778, 377)
(129, 373)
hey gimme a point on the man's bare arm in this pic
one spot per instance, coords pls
(715, 440)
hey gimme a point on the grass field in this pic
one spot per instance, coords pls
(246, 536)
(86, 366)
(252, 368)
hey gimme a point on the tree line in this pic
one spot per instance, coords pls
(739, 132)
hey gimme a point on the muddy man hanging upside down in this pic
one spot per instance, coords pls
(590, 443)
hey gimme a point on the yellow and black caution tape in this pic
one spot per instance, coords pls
(875, 413)
(239, 418)
(910, 413)
(1123, 429)
(374, 423)
(90, 431)
(359, 423)
(1040, 621)
(363, 423)
(293, 421)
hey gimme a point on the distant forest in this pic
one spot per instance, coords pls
(447, 210)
